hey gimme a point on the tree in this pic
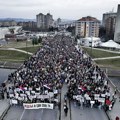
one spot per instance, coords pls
(52, 29)
(71, 29)
(102, 32)
(39, 39)
(34, 41)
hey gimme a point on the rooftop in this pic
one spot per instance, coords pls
(88, 18)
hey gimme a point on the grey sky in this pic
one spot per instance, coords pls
(67, 9)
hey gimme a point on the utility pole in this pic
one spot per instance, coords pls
(91, 45)
(26, 49)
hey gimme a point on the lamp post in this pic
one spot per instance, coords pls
(91, 45)
(26, 49)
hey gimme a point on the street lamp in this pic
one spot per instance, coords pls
(26, 49)
(91, 45)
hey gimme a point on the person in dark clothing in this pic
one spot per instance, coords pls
(117, 118)
(65, 110)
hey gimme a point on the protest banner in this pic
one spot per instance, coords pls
(103, 95)
(14, 101)
(37, 105)
(51, 94)
(11, 95)
(96, 96)
(102, 100)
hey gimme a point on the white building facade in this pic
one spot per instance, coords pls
(89, 41)
(87, 27)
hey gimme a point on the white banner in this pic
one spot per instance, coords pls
(14, 101)
(37, 105)
(43, 96)
(101, 100)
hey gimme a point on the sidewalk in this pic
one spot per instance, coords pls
(63, 92)
(20, 51)
(116, 108)
(4, 106)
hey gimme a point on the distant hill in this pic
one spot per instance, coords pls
(17, 19)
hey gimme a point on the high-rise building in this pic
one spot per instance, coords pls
(106, 16)
(59, 21)
(87, 27)
(108, 22)
(44, 21)
(117, 26)
(48, 20)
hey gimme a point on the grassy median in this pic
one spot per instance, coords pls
(99, 53)
(11, 55)
(114, 63)
(32, 49)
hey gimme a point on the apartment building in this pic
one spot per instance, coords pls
(87, 27)
(117, 26)
(44, 21)
(108, 22)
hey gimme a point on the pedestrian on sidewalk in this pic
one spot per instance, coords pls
(65, 110)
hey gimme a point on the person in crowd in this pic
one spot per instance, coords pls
(56, 62)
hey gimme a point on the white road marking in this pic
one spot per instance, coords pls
(41, 114)
(22, 114)
(42, 111)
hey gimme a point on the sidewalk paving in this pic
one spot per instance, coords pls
(15, 49)
(4, 106)
(20, 51)
(106, 58)
(116, 108)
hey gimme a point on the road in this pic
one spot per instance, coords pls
(41, 114)
(4, 74)
(18, 113)
(78, 113)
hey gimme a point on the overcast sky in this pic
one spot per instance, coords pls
(67, 9)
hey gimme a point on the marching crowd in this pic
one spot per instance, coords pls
(41, 77)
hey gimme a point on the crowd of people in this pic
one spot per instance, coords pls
(41, 77)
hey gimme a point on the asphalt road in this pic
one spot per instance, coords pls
(4, 74)
(41, 114)
(14, 113)
(78, 113)
(18, 113)
(116, 81)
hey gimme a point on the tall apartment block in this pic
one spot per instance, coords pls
(44, 21)
(87, 27)
(108, 22)
(117, 26)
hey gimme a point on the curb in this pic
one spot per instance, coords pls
(70, 110)
(107, 115)
(4, 113)
(9, 67)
